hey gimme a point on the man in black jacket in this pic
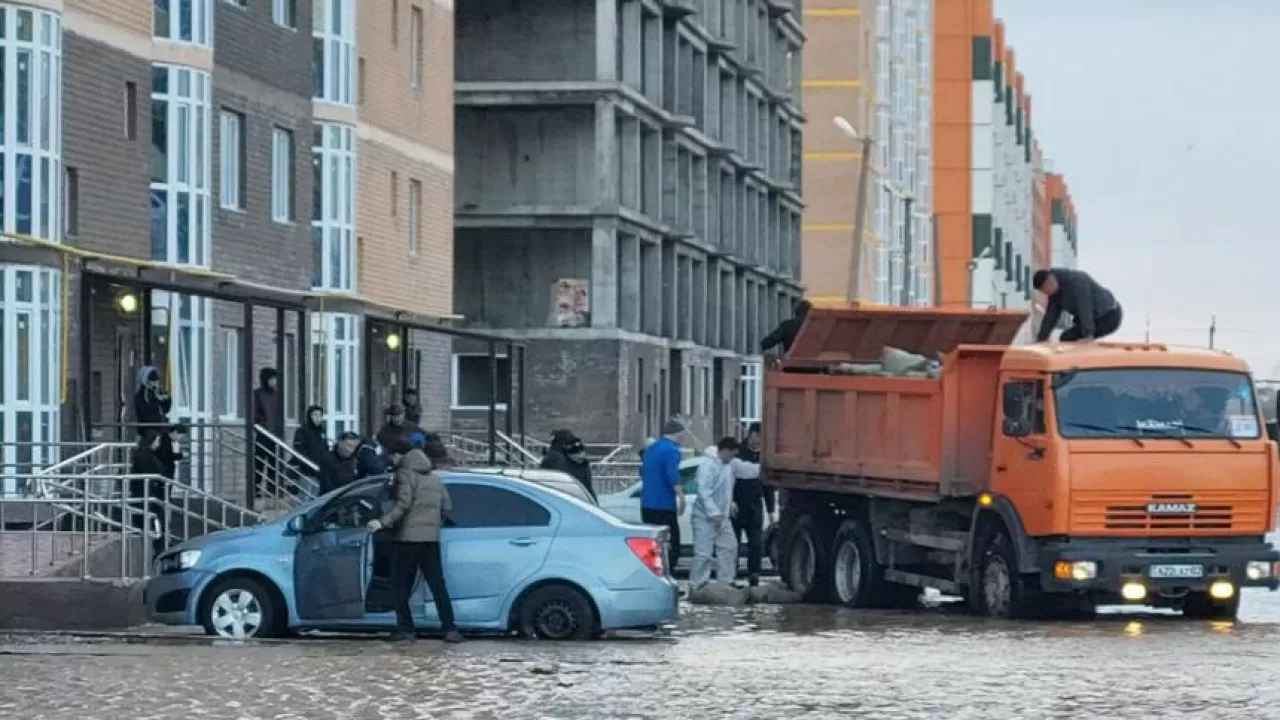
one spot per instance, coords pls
(352, 459)
(785, 333)
(752, 498)
(568, 454)
(268, 413)
(1094, 311)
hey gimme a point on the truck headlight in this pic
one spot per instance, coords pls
(1258, 569)
(1078, 570)
(187, 559)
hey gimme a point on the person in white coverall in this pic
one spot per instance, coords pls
(713, 513)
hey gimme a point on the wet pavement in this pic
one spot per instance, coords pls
(763, 662)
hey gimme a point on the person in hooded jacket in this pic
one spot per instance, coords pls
(147, 494)
(420, 511)
(150, 404)
(268, 413)
(412, 406)
(568, 454)
(309, 439)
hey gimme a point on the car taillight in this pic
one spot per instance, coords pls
(649, 551)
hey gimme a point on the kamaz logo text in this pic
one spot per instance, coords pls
(1171, 508)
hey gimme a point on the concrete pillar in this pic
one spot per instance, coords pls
(606, 156)
(607, 40)
(604, 277)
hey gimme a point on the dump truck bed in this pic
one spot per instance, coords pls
(921, 437)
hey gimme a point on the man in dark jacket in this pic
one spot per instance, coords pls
(352, 459)
(146, 491)
(397, 426)
(752, 498)
(150, 404)
(785, 333)
(309, 439)
(169, 453)
(1094, 311)
(412, 408)
(267, 414)
(568, 454)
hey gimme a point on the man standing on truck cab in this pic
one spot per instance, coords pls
(1094, 310)
(661, 495)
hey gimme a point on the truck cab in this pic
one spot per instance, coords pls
(1022, 478)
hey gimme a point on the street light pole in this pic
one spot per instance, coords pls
(860, 211)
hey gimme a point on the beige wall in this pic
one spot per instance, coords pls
(131, 15)
(406, 134)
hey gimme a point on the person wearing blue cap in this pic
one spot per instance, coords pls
(661, 494)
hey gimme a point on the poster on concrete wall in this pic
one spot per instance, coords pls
(570, 303)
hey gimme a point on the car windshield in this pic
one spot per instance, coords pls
(1155, 402)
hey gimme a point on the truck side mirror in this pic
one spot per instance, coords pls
(1016, 428)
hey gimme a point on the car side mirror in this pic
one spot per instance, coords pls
(297, 524)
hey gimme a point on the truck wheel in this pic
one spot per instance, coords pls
(1199, 606)
(1002, 591)
(806, 568)
(855, 576)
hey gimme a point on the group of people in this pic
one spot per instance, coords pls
(729, 502)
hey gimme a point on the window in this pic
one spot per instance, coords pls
(231, 373)
(281, 175)
(335, 370)
(705, 409)
(1023, 408)
(395, 193)
(333, 164)
(481, 506)
(472, 382)
(285, 12)
(360, 81)
(333, 40)
(751, 383)
(30, 369)
(185, 21)
(686, 389)
(416, 42)
(181, 143)
(231, 159)
(237, 3)
(395, 23)
(71, 221)
(1156, 402)
(415, 216)
(131, 111)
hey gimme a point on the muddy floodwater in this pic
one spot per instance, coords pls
(776, 662)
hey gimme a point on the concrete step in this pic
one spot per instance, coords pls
(70, 604)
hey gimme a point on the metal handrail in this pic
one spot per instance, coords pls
(258, 429)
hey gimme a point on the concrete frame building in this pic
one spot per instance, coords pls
(628, 203)
(224, 140)
(870, 62)
(994, 200)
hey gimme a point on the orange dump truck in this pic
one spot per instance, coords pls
(1025, 479)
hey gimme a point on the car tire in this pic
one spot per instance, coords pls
(805, 566)
(1002, 592)
(240, 608)
(556, 612)
(1199, 606)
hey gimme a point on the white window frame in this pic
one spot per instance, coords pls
(334, 56)
(41, 311)
(335, 338)
(686, 389)
(32, 145)
(231, 374)
(333, 222)
(231, 152)
(282, 175)
(189, 144)
(453, 382)
(415, 216)
(285, 13)
(201, 13)
(750, 391)
(417, 46)
(705, 396)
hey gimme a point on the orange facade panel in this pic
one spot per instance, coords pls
(999, 40)
(984, 17)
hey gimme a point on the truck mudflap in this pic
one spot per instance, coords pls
(1106, 565)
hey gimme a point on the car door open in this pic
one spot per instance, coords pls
(333, 558)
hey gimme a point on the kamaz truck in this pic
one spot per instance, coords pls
(1026, 479)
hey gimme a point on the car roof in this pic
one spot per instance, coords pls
(556, 479)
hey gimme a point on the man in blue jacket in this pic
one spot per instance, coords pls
(661, 495)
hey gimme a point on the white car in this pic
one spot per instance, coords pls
(625, 504)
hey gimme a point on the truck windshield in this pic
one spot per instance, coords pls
(1155, 402)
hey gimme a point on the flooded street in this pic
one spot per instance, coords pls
(776, 662)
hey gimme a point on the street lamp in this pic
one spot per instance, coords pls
(860, 211)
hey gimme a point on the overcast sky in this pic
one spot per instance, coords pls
(1164, 117)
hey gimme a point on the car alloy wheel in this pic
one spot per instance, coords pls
(236, 613)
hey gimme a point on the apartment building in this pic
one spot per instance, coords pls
(628, 203)
(225, 142)
(994, 199)
(870, 63)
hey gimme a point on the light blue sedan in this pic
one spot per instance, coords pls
(518, 556)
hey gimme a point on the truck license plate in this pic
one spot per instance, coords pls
(1178, 572)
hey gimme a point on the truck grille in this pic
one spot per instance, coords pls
(1215, 512)
(1175, 512)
